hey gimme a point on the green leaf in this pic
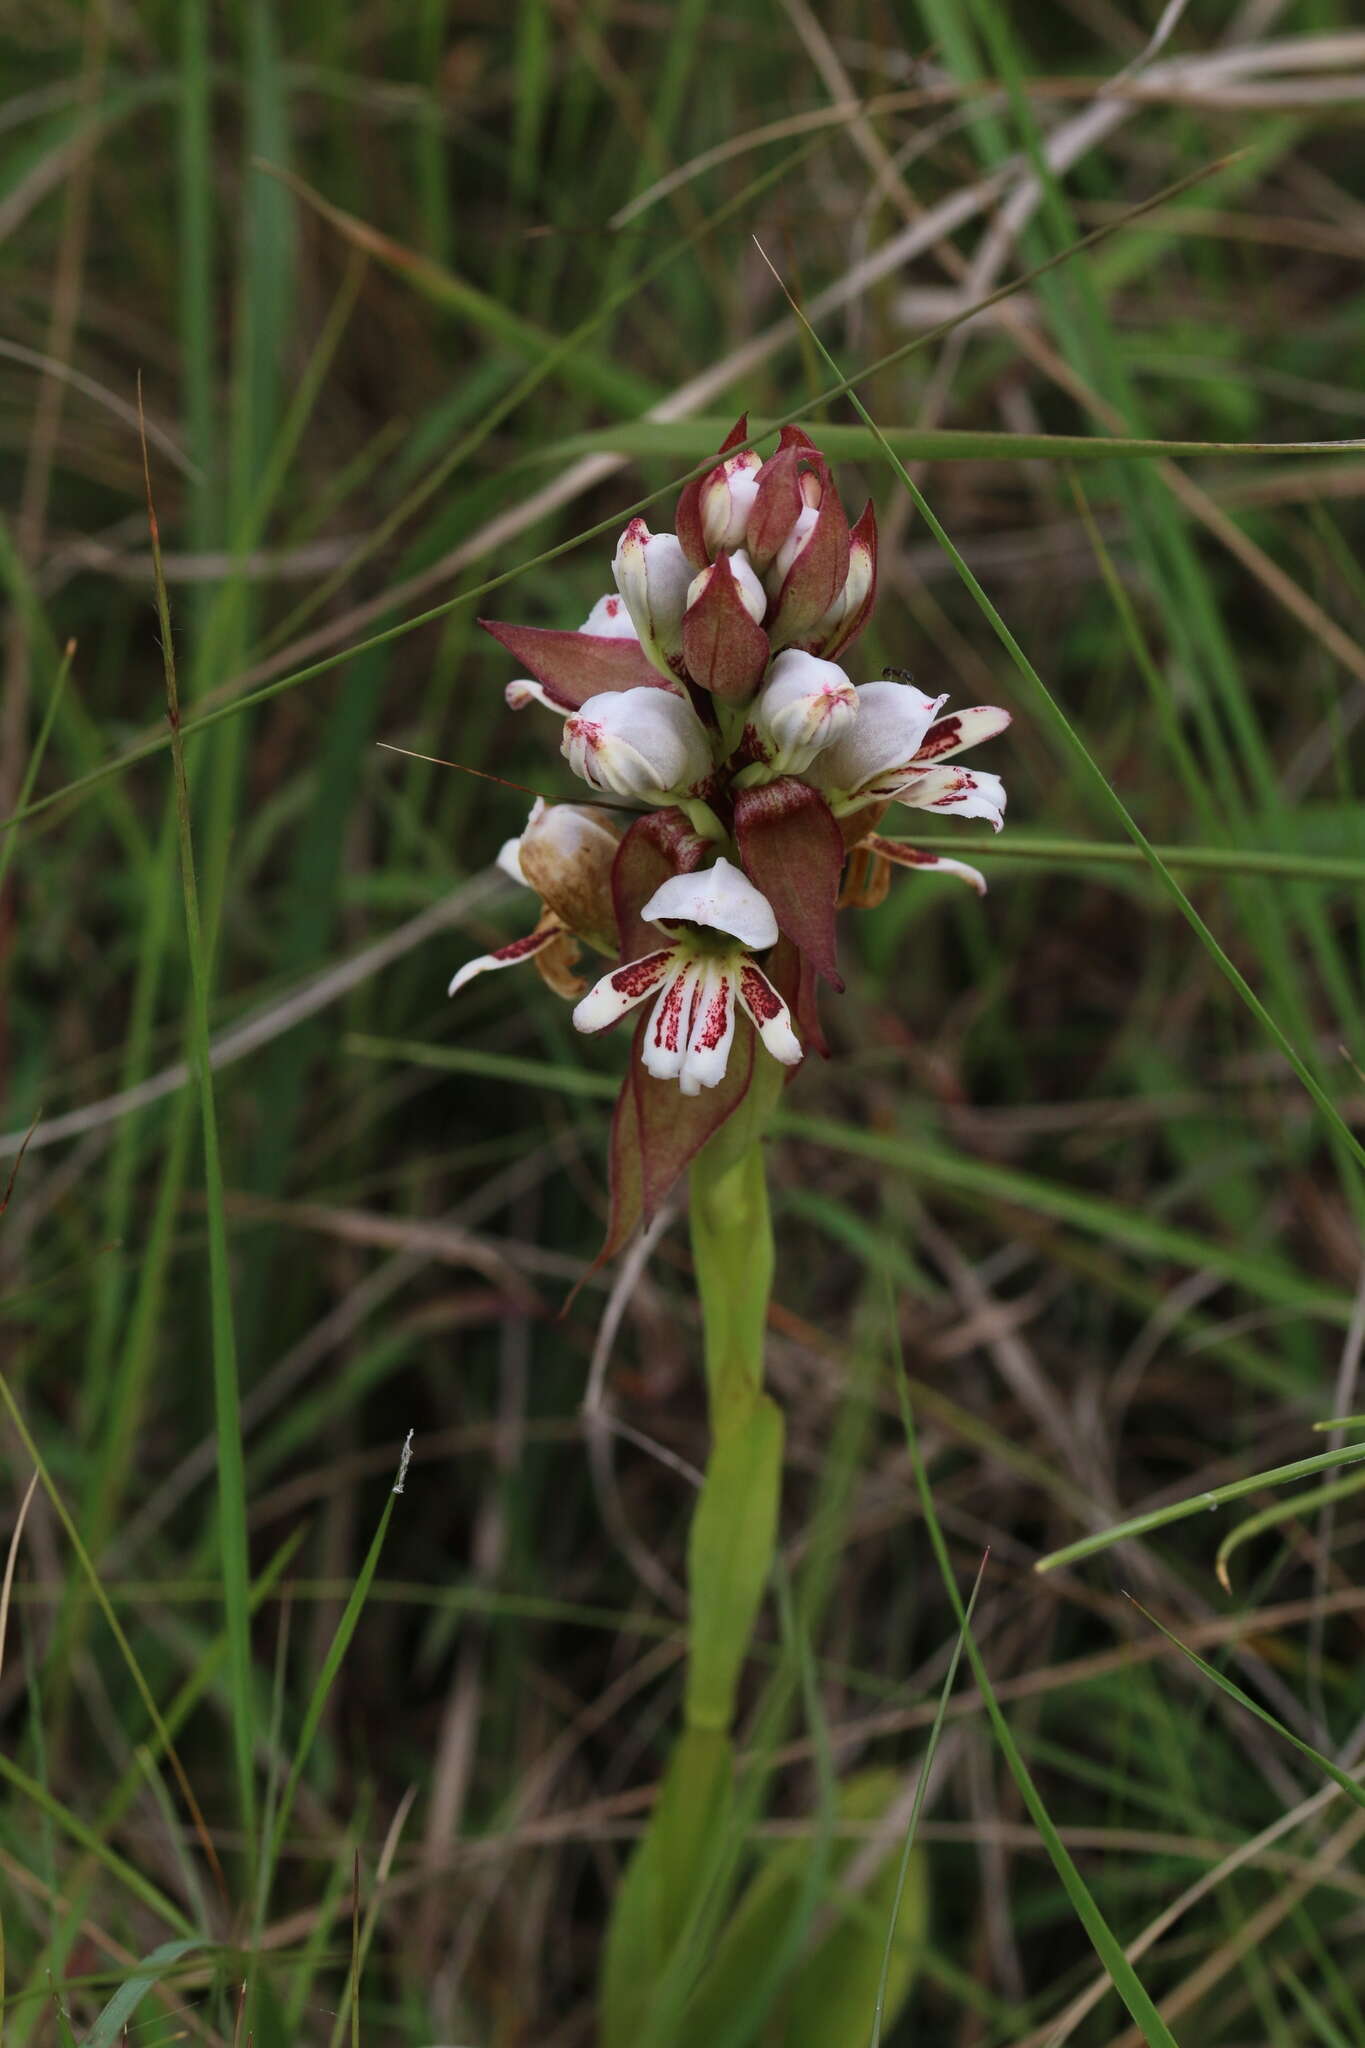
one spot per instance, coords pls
(689, 440)
(665, 1879)
(829, 1999)
(729, 1557)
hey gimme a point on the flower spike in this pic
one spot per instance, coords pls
(709, 694)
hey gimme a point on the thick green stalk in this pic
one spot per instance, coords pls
(729, 1559)
(734, 1531)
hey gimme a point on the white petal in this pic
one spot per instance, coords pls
(525, 691)
(711, 1026)
(610, 998)
(507, 956)
(884, 737)
(965, 792)
(665, 1039)
(509, 860)
(805, 706)
(962, 729)
(610, 619)
(768, 1014)
(903, 856)
(638, 743)
(719, 897)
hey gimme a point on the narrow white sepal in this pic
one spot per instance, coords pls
(609, 999)
(768, 1014)
(961, 792)
(526, 691)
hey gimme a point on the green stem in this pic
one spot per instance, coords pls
(664, 1895)
(734, 1531)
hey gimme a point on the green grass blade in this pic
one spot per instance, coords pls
(1122, 1974)
(1351, 1786)
(1278, 1512)
(111, 2026)
(1198, 1503)
(331, 1664)
(226, 1392)
(921, 1789)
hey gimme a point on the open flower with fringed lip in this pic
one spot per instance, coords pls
(707, 694)
(715, 921)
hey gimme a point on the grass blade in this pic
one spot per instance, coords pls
(1198, 1503)
(1110, 1952)
(1351, 1786)
(226, 1392)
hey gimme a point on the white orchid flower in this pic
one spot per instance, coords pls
(804, 707)
(644, 744)
(892, 750)
(715, 920)
(652, 574)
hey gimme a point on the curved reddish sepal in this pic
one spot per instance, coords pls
(657, 1132)
(776, 507)
(660, 844)
(862, 539)
(798, 985)
(792, 849)
(723, 649)
(688, 520)
(576, 666)
(817, 575)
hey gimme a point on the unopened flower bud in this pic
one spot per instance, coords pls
(726, 497)
(752, 595)
(805, 705)
(803, 526)
(643, 743)
(840, 622)
(652, 575)
(609, 619)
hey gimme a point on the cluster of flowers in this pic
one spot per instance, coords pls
(705, 694)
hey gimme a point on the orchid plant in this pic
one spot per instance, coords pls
(739, 781)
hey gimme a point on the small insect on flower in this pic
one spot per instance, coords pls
(707, 694)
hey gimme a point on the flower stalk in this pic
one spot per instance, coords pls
(734, 1529)
(737, 779)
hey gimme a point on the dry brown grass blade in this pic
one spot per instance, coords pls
(11, 1560)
